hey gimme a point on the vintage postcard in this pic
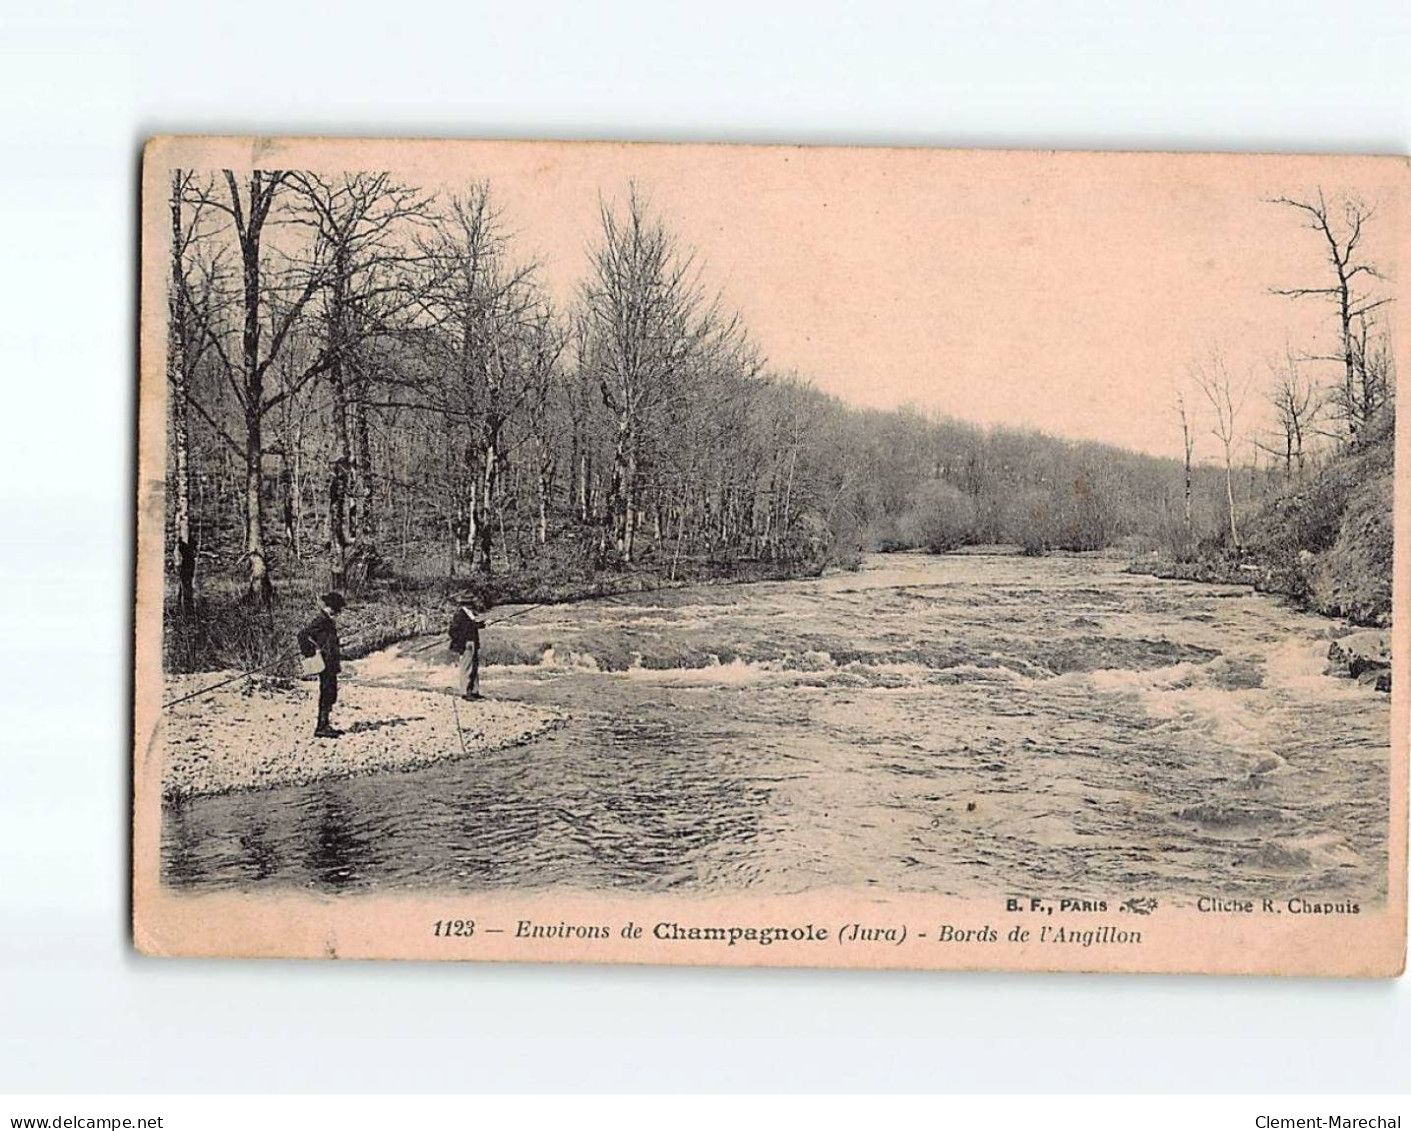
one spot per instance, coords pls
(793, 556)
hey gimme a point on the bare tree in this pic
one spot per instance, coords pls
(184, 348)
(1227, 395)
(478, 302)
(647, 315)
(1296, 408)
(583, 398)
(277, 296)
(544, 347)
(1188, 442)
(1376, 369)
(357, 220)
(1342, 223)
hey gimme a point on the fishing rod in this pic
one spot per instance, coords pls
(238, 675)
(511, 616)
(435, 642)
(459, 732)
(274, 663)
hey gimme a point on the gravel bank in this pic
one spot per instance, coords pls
(256, 734)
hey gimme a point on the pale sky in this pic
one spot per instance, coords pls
(1066, 292)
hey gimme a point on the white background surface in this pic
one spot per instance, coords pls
(83, 84)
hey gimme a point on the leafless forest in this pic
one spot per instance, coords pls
(372, 389)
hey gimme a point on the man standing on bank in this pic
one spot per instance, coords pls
(465, 643)
(319, 638)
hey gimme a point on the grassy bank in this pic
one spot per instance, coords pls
(1324, 541)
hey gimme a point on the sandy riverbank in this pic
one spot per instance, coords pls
(255, 734)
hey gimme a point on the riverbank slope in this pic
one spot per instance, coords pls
(1324, 541)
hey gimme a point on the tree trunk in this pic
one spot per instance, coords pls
(787, 519)
(1349, 357)
(177, 361)
(489, 482)
(543, 529)
(629, 507)
(472, 517)
(681, 528)
(260, 589)
(621, 502)
(286, 506)
(1230, 498)
(337, 525)
(1190, 523)
(297, 494)
(342, 519)
(365, 530)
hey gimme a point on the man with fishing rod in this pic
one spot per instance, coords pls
(464, 632)
(318, 644)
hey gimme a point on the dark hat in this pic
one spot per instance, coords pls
(334, 601)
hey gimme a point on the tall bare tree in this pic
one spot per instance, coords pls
(545, 342)
(647, 315)
(183, 350)
(360, 222)
(1342, 223)
(1227, 395)
(1188, 444)
(271, 299)
(477, 301)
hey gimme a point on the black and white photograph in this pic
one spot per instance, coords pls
(796, 555)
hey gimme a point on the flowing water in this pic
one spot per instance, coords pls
(946, 724)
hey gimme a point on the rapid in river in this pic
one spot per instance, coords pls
(951, 725)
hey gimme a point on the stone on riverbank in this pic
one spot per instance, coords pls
(1364, 656)
(257, 734)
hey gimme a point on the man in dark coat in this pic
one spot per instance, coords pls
(320, 636)
(465, 643)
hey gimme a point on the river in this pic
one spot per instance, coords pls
(950, 725)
